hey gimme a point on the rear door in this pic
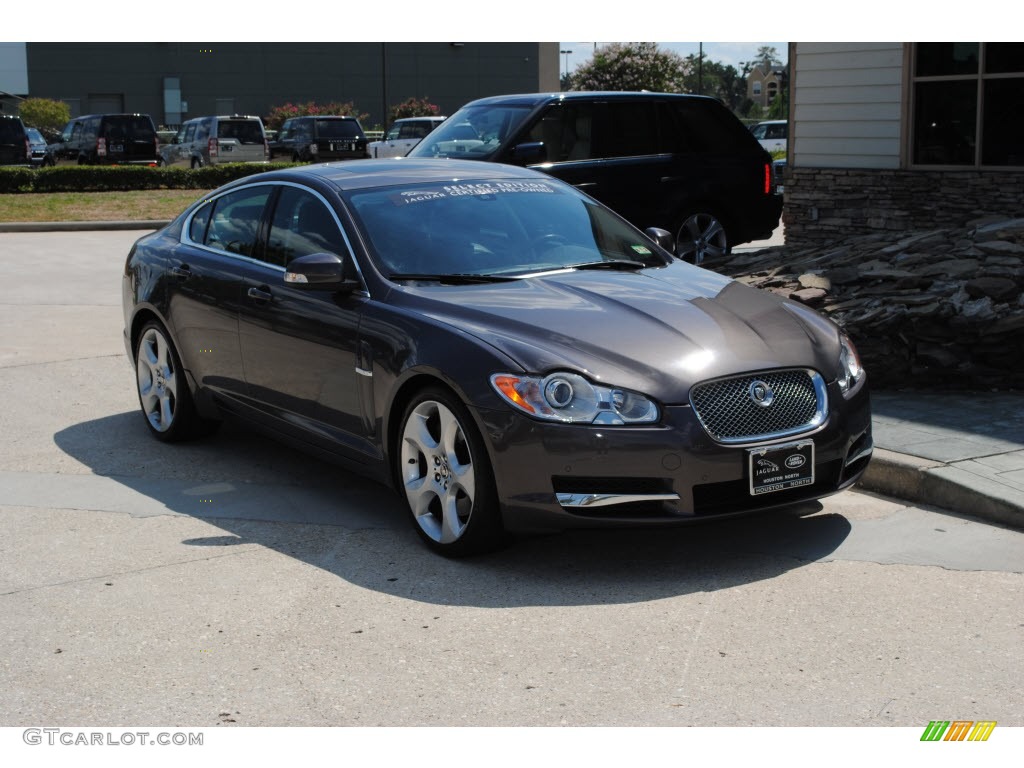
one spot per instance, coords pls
(240, 141)
(129, 138)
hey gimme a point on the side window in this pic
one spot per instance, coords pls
(302, 225)
(671, 137)
(710, 127)
(565, 130)
(759, 131)
(393, 132)
(775, 131)
(630, 129)
(197, 229)
(190, 133)
(76, 132)
(235, 220)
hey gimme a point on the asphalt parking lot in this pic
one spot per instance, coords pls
(235, 582)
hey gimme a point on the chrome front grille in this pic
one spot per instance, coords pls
(730, 414)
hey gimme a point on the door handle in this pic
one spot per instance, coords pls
(260, 294)
(182, 271)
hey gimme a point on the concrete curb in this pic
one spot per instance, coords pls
(940, 485)
(79, 226)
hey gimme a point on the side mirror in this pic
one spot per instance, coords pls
(318, 271)
(662, 237)
(529, 152)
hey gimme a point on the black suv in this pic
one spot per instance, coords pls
(107, 140)
(320, 138)
(14, 146)
(681, 163)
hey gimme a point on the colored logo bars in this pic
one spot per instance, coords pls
(958, 730)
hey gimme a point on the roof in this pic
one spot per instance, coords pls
(363, 174)
(531, 99)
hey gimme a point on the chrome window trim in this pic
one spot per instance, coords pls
(819, 417)
(186, 237)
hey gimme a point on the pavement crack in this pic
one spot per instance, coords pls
(54, 362)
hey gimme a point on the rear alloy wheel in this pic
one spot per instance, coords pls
(446, 477)
(163, 391)
(701, 235)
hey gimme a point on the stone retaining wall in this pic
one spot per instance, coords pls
(827, 204)
(938, 308)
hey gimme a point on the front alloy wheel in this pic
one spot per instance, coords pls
(446, 478)
(701, 235)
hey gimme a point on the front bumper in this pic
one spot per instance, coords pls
(556, 476)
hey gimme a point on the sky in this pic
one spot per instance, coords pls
(725, 53)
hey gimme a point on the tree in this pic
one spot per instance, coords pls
(412, 107)
(278, 115)
(722, 81)
(631, 67)
(48, 115)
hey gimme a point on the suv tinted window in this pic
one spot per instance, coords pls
(128, 126)
(630, 129)
(11, 130)
(338, 129)
(246, 131)
(709, 127)
(565, 130)
(235, 221)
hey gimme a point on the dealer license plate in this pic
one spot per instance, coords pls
(778, 467)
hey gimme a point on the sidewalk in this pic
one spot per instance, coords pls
(960, 451)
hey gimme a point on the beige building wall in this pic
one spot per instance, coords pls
(846, 105)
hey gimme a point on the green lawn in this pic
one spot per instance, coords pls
(97, 206)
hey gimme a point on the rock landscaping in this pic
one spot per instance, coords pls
(937, 309)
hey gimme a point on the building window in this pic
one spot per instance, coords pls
(757, 87)
(967, 99)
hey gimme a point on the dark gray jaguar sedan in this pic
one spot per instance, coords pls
(506, 352)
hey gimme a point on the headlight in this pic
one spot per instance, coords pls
(568, 397)
(850, 371)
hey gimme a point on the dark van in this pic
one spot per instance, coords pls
(681, 163)
(108, 140)
(319, 138)
(14, 144)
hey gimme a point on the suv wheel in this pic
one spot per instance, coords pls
(701, 235)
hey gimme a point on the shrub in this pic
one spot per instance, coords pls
(106, 178)
(412, 107)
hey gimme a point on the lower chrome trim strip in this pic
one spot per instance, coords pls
(587, 500)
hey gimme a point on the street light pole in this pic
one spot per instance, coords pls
(566, 60)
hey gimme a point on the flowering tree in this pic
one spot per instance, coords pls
(278, 115)
(631, 67)
(412, 107)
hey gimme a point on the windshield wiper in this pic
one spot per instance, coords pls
(459, 278)
(611, 264)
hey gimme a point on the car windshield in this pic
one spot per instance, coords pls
(495, 228)
(472, 132)
(34, 135)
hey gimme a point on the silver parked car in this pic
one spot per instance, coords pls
(213, 140)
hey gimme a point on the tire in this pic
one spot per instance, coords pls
(701, 235)
(164, 396)
(443, 472)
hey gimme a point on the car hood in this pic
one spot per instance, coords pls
(656, 331)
